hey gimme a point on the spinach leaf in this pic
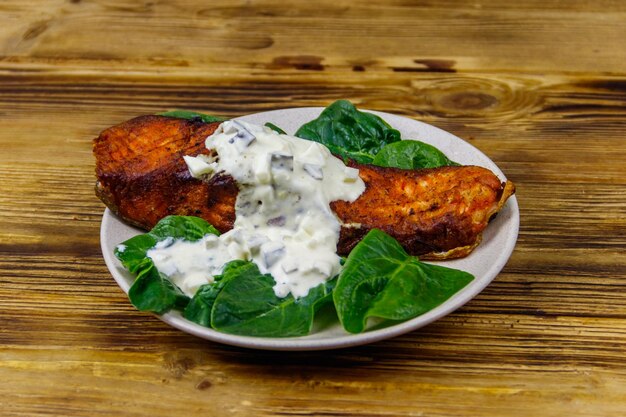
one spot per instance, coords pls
(247, 305)
(380, 280)
(348, 132)
(275, 128)
(190, 115)
(199, 308)
(188, 228)
(132, 253)
(411, 154)
(152, 291)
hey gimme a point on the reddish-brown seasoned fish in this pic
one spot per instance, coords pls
(435, 213)
(142, 176)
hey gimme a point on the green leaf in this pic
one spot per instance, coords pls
(411, 154)
(247, 305)
(188, 228)
(349, 132)
(151, 290)
(191, 115)
(275, 128)
(132, 253)
(199, 308)
(381, 280)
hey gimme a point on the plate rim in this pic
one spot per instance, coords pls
(303, 343)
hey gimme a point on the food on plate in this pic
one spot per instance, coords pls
(283, 220)
(142, 176)
(253, 231)
(436, 213)
(378, 279)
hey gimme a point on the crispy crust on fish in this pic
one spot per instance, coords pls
(437, 213)
(142, 176)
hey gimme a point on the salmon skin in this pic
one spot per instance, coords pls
(437, 213)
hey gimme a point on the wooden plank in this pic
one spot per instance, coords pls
(267, 37)
(362, 382)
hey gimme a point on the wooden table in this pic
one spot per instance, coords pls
(539, 86)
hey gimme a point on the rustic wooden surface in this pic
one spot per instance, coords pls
(538, 85)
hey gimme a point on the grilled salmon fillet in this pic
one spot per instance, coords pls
(437, 213)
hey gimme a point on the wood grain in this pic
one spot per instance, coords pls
(269, 36)
(539, 86)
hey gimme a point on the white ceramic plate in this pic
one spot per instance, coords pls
(484, 263)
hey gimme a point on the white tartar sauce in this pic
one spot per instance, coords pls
(283, 224)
